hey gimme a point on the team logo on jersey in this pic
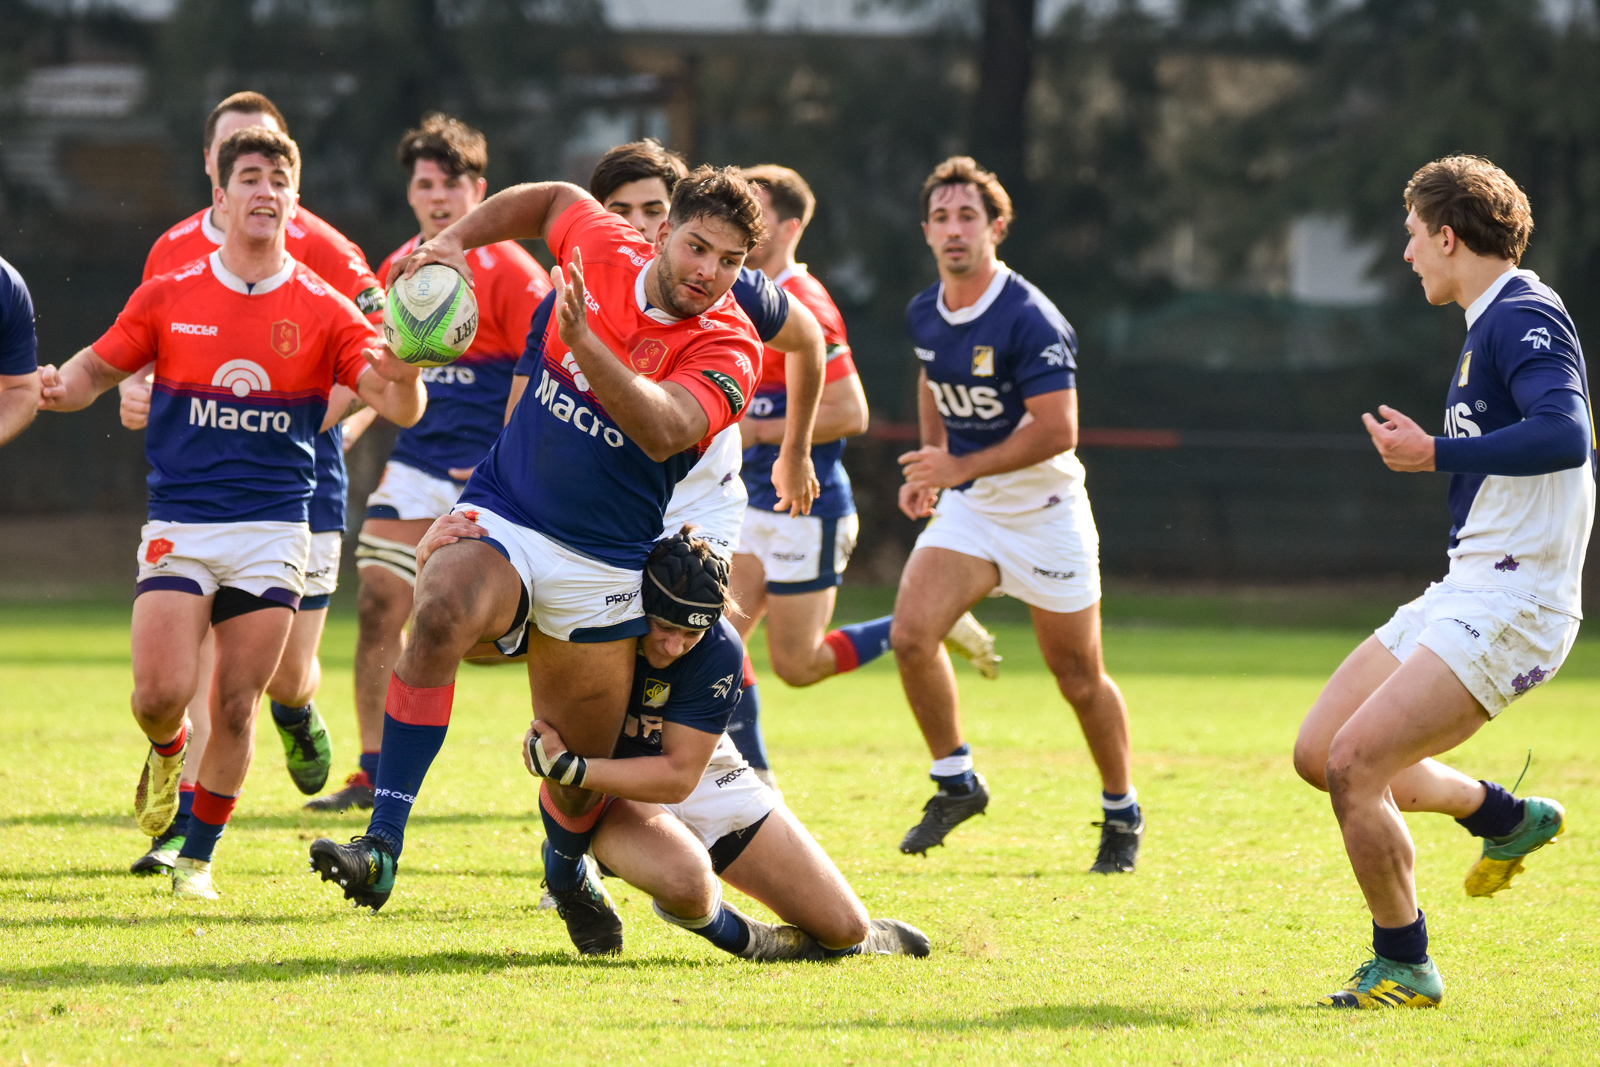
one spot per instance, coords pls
(638, 260)
(1466, 368)
(156, 549)
(721, 686)
(1508, 564)
(285, 338)
(982, 361)
(242, 377)
(1456, 423)
(193, 329)
(730, 389)
(1524, 682)
(656, 693)
(925, 354)
(648, 354)
(1057, 355)
(1540, 338)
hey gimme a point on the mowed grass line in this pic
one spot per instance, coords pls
(1242, 911)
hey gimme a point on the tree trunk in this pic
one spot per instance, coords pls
(1005, 68)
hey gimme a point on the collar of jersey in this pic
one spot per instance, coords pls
(1480, 305)
(655, 313)
(790, 272)
(238, 285)
(990, 295)
(212, 232)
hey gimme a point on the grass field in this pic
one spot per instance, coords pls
(1241, 913)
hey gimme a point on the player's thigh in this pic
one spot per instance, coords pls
(936, 586)
(785, 869)
(796, 623)
(747, 581)
(655, 853)
(581, 688)
(167, 629)
(249, 648)
(1420, 710)
(305, 634)
(468, 593)
(1363, 671)
(1069, 641)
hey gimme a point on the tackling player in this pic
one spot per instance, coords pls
(331, 256)
(444, 161)
(19, 349)
(660, 359)
(998, 410)
(247, 344)
(1519, 445)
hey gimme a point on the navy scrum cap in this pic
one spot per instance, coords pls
(683, 588)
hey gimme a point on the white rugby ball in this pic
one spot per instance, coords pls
(431, 317)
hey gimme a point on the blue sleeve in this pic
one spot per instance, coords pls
(1046, 348)
(19, 345)
(765, 303)
(714, 685)
(533, 349)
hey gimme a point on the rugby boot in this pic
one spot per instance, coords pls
(357, 793)
(364, 868)
(191, 878)
(773, 942)
(1384, 983)
(1119, 846)
(1542, 822)
(891, 937)
(591, 916)
(307, 751)
(942, 813)
(155, 799)
(163, 850)
(968, 638)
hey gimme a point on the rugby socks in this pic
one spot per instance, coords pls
(1498, 815)
(859, 643)
(175, 746)
(954, 772)
(207, 820)
(567, 838)
(744, 726)
(1122, 807)
(1403, 944)
(835, 953)
(723, 927)
(185, 806)
(369, 765)
(288, 717)
(415, 720)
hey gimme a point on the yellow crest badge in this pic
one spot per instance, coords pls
(656, 693)
(982, 361)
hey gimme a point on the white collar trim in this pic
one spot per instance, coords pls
(656, 313)
(1480, 305)
(239, 285)
(990, 295)
(212, 231)
(790, 272)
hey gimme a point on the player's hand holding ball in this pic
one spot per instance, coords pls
(431, 317)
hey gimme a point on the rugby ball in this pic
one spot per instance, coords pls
(431, 317)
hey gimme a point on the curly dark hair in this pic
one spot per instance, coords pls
(964, 170)
(456, 147)
(719, 193)
(634, 162)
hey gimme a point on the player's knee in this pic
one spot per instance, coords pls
(295, 684)
(912, 640)
(847, 927)
(443, 621)
(688, 892)
(1345, 772)
(380, 608)
(235, 714)
(156, 701)
(795, 670)
(1311, 763)
(1079, 682)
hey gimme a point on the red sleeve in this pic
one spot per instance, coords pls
(133, 340)
(516, 287)
(601, 235)
(720, 373)
(150, 260)
(337, 261)
(839, 365)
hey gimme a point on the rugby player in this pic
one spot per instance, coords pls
(998, 410)
(788, 567)
(659, 360)
(308, 751)
(247, 344)
(1518, 442)
(444, 161)
(19, 350)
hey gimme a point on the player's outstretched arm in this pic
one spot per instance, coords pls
(75, 385)
(520, 213)
(663, 419)
(19, 403)
(804, 364)
(395, 388)
(665, 779)
(1049, 428)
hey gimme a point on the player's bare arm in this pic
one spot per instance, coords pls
(842, 412)
(665, 779)
(804, 364)
(19, 403)
(75, 385)
(395, 390)
(916, 501)
(1050, 429)
(663, 419)
(520, 213)
(1402, 444)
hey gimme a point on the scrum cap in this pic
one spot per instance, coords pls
(685, 584)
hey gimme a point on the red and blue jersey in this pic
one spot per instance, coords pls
(561, 465)
(19, 345)
(335, 259)
(772, 402)
(242, 374)
(467, 399)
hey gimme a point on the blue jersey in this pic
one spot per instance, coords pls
(19, 345)
(1520, 443)
(982, 364)
(834, 499)
(699, 690)
(333, 483)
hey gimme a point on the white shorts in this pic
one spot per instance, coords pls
(322, 565)
(728, 798)
(1499, 644)
(1052, 565)
(407, 493)
(800, 553)
(264, 559)
(717, 516)
(567, 595)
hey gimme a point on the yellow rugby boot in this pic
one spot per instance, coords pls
(155, 799)
(1385, 983)
(1542, 822)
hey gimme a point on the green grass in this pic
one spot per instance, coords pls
(1242, 912)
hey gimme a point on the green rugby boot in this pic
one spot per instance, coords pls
(163, 850)
(1384, 983)
(364, 868)
(307, 751)
(1542, 822)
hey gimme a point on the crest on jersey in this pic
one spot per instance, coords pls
(285, 338)
(242, 377)
(656, 693)
(648, 354)
(1540, 338)
(156, 549)
(982, 361)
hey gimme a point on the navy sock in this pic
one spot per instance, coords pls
(725, 930)
(1404, 944)
(185, 806)
(408, 752)
(285, 716)
(859, 643)
(745, 728)
(1497, 816)
(207, 819)
(566, 839)
(369, 765)
(954, 772)
(1122, 807)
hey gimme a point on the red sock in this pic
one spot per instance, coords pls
(417, 706)
(749, 670)
(175, 746)
(213, 808)
(844, 650)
